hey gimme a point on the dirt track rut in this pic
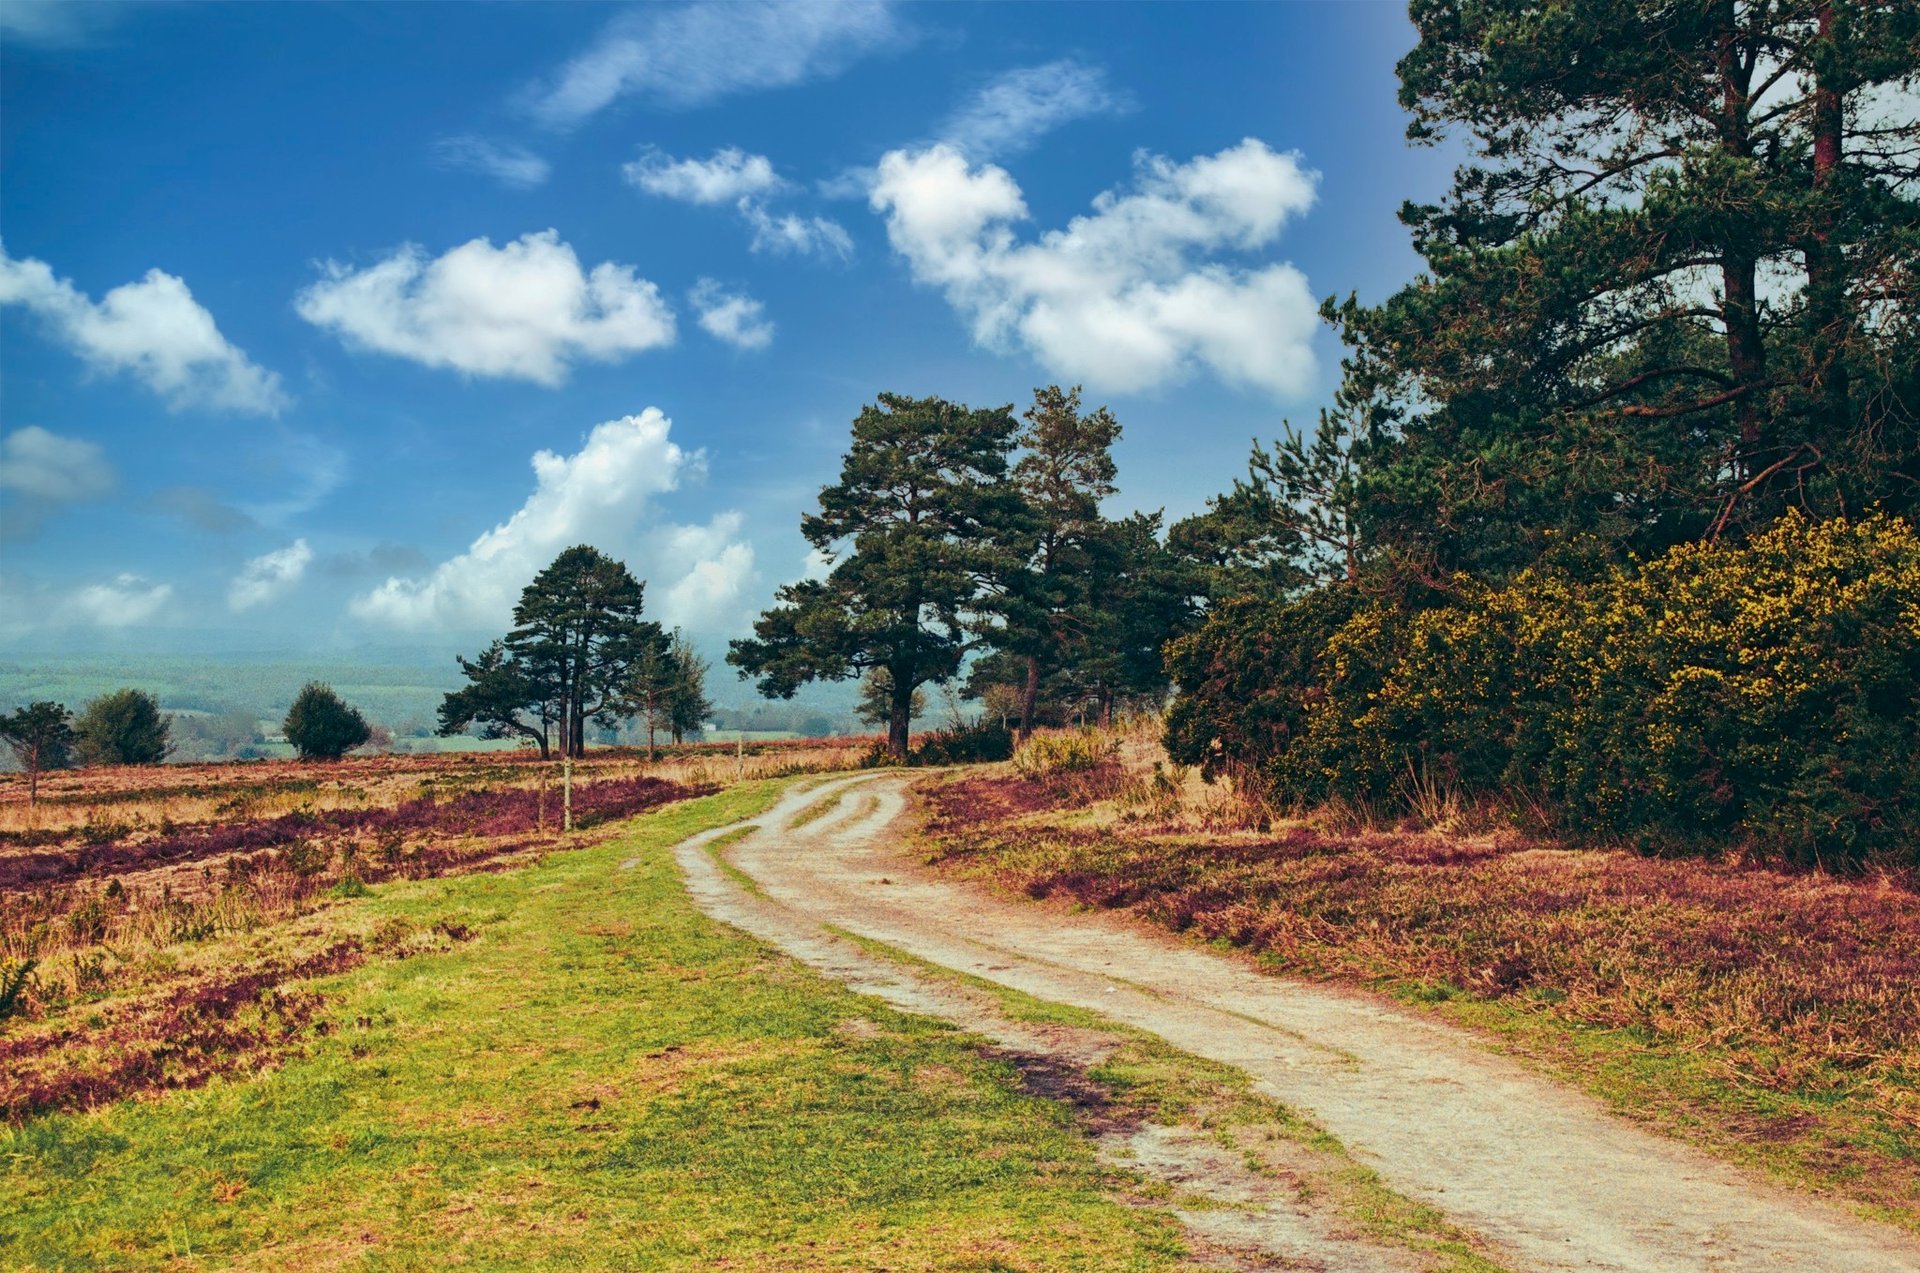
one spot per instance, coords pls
(1549, 1178)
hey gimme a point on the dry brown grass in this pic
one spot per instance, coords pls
(1770, 1014)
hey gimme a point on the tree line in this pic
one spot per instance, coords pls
(1609, 522)
(126, 727)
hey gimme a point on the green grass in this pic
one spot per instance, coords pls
(1173, 1087)
(600, 1077)
(815, 811)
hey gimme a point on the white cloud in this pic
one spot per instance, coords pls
(602, 495)
(510, 165)
(122, 602)
(737, 319)
(269, 576)
(152, 330)
(311, 470)
(525, 310)
(1013, 110)
(43, 465)
(40, 471)
(694, 54)
(731, 174)
(1125, 298)
(60, 23)
(787, 233)
(710, 575)
(734, 176)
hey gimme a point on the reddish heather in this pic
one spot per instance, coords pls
(506, 811)
(1790, 983)
(180, 1038)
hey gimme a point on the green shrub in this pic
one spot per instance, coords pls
(1048, 755)
(1766, 692)
(321, 725)
(123, 728)
(1246, 677)
(980, 743)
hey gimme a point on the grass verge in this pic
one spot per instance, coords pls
(1176, 1088)
(597, 1077)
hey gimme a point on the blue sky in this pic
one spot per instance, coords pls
(323, 326)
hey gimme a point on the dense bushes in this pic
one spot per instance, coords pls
(1049, 755)
(1767, 693)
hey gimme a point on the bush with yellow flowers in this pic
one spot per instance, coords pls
(1765, 693)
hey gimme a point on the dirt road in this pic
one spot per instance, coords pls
(1545, 1175)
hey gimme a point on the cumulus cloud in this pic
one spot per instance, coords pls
(510, 165)
(737, 319)
(121, 602)
(525, 311)
(710, 572)
(691, 55)
(152, 330)
(269, 576)
(602, 495)
(41, 471)
(730, 175)
(1015, 109)
(1127, 297)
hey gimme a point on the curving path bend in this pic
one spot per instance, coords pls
(1544, 1174)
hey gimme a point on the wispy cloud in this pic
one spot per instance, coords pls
(733, 317)
(524, 311)
(41, 471)
(152, 330)
(730, 175)
(694, 54)
(1132, 295)
(510, 165)
(60, 23)
(1015, 109)
(744, 180)
(787, 234)
(200, 509)
(312, 469)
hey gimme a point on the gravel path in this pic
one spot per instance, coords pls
(1544, 1174)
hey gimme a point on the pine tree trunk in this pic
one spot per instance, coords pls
(1029, 697)
(1746, 350)
(900, 718)
(1826, 264)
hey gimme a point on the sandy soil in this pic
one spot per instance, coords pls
(1548, 1177)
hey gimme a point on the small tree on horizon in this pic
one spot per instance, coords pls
(41, 737)
(322, 726)
(123, 728)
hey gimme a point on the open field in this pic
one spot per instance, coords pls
(150, 910)
(566, 1064)
(1770, 1017)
